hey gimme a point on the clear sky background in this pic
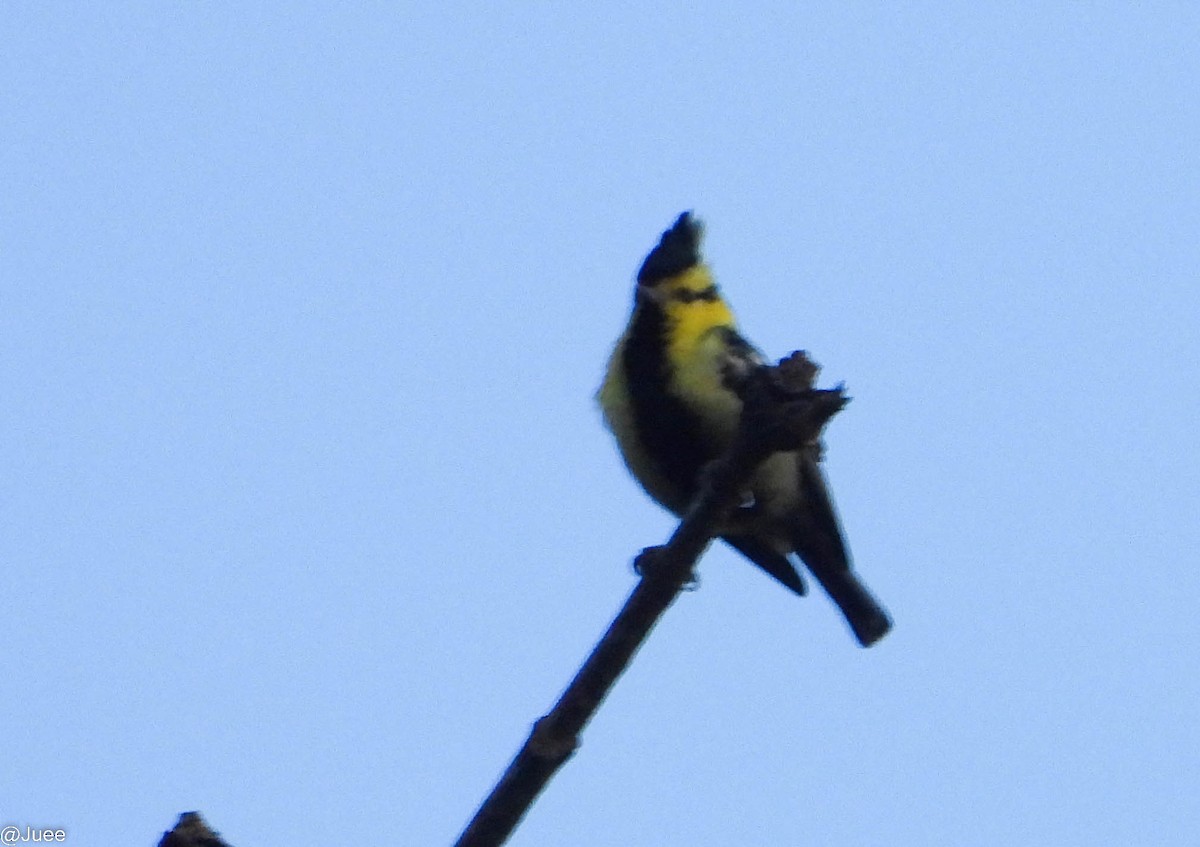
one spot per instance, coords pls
(306, 510)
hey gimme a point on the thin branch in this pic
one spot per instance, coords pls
(191, 831)
(781, 411)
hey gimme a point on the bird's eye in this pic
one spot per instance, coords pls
(687, 295)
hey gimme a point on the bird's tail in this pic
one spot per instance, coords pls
(869, 620)
(818, 539)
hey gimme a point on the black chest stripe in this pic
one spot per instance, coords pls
(667, 428)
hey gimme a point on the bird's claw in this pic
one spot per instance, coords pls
(647, 560)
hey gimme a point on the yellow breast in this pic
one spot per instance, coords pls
(697, 349)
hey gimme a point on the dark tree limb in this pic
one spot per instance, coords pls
(191, 831)
(782, 411)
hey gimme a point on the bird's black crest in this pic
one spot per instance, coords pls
(677, 250)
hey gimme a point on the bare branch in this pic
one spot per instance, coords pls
(782, 411)
(191, 831)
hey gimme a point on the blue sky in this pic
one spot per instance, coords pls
(306, 512)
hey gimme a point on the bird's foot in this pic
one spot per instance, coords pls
(647, 560)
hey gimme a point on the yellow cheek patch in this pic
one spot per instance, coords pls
(697, 351)
(691, 318)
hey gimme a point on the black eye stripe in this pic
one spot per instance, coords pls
(687, 295)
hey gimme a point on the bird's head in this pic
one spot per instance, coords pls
(677, 250)
(674, 275)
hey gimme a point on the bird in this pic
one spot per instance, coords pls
(666, 398)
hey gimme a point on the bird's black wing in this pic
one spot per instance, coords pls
(740, 357)
(818, 538)
(770, 560)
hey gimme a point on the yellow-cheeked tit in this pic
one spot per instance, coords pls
(667, 403)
